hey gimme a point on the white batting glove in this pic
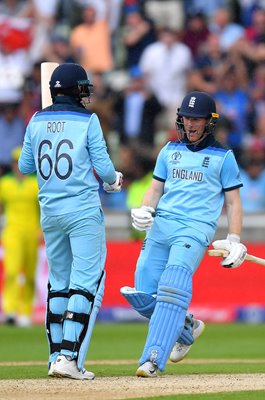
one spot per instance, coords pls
(237, 251)
(116, 186)
(142, 218)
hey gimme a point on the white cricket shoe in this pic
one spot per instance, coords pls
(180, 350)
(51, 369)
(147, 370)
(67, 368)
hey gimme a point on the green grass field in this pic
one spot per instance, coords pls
(222, 349)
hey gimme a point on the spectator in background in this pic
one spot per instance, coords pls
(208, 65)
(253, 177)
(12, 131)
(32, 22)
(20, 239)
(13, 8)
(259, 127)
(165, 65)
(43, 19)
(69, 13)
(136, 111)
(138, 32)
(31, 101)
(251, 47)
(233, 102)
(102, 102)
(208, 8)
(245, 9)
(58, 49)
(255, 32)
(15, 64)
(228, 31)
(222, 130)
(25, 27)
(256, 91)
(196, 32)
(90, 42)
(169, 13)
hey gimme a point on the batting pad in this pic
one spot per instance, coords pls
(143, 303)
(186, 336)
(93, 316)
(57, 306)
(77, 304)
(168, 319)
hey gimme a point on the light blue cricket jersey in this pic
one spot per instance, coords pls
(63, 143)
(195, 182)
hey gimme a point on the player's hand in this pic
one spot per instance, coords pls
(116, 186)
(142, 218)
(237, 251)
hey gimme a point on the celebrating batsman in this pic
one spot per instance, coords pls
(192, 178)
(64, 143)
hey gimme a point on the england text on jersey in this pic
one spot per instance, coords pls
(187, 175)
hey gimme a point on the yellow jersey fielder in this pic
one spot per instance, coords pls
(20, 239)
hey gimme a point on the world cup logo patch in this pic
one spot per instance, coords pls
(175, 157)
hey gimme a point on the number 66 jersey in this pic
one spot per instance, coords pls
(64, 144)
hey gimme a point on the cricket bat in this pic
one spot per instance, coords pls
(249, 257)
(47, 69)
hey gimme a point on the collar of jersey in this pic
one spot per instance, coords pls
(65, 100)
(206, 142)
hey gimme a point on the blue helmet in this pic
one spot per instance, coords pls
(196, 105)
(70, 79)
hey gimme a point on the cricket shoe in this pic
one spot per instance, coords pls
(65, 367)
(147, 370)
(52, 368)
(180, 350)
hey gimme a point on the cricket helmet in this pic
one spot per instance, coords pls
(70, 79)
(196, 105)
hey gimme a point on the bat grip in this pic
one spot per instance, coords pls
(218, 253)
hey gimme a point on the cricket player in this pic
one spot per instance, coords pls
(192, 179)
(20, 239)
(64, 144)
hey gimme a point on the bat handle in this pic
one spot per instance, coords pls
(249, 257)
(218, 253)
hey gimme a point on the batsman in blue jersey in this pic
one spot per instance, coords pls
(64, 144)
(192, 179)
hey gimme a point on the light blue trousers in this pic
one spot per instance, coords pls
(75, 248)
(169, 242)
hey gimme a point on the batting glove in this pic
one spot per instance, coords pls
(116, 186)
(142, 218)
(237, 251)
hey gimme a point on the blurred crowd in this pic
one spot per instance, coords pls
(142, 58)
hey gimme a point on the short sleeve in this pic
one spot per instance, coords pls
(230, 174)
(160, 171)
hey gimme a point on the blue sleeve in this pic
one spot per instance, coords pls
(26, 163)
(160, 171)
(230, 174)
(98, 152)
